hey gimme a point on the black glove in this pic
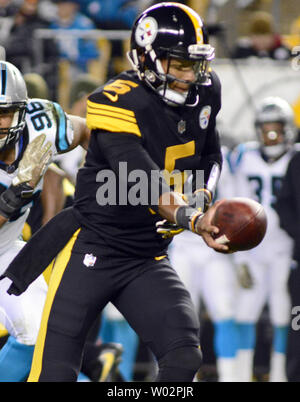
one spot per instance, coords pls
(13, 289)
(31, 168)
(12, 199)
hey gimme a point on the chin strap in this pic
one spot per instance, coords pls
(171, 97)
(274, 151)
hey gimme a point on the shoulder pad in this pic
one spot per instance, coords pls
(296, 147)
(215, 90)
(236, 156)
(215, 80)
(119, 91)
(42, 102)
(113, 107)
(49, 117)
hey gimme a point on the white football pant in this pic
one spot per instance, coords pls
(21, 315)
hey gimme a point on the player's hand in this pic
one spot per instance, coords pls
(34, 162)
(205, 229)
(200, 199)
(167, 229)
(30, 170)
(244, 276)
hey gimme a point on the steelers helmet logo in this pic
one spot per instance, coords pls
(146, 31)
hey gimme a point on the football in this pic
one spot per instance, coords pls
(242, 221)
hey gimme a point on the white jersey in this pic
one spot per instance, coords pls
(42, 117)
(255, 178)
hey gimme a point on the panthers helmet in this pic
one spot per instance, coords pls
(13, 96)
(276, 110)
(164, 31)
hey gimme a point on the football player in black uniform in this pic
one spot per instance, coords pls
(158, 117)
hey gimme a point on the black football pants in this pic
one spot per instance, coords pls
(147, 292)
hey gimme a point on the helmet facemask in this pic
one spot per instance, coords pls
(13, 98)
(272, 140)
(12, 133)
(149, 67)
(275, 127)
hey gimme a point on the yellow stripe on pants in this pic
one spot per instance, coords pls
(58, 271)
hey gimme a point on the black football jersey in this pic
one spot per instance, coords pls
(176, 138)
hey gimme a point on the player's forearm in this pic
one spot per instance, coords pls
(2, 220)
(203, 194)
(52, 196)
(168, 204)
(81, 132)
(173, 208)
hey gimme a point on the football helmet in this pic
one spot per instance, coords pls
(13, 97)
(275, 110)
(167, 31)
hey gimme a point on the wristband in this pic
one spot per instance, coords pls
(187, 217)
(12, 199)
(201, 199)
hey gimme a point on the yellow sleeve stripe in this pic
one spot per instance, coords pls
(116, 125)
(111, 114)
(92, 106)
(111, 118)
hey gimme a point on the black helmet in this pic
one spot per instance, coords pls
(165, 31)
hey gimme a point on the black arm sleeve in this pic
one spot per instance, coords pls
(121, 147)
(28, 264)
(288, 200)
(212, 149)
(213, 154)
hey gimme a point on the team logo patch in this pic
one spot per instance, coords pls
(89, 260)
(146, 31)
(204, 116)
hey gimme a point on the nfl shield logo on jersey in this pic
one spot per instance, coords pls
(89, 260)
(181, 126)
